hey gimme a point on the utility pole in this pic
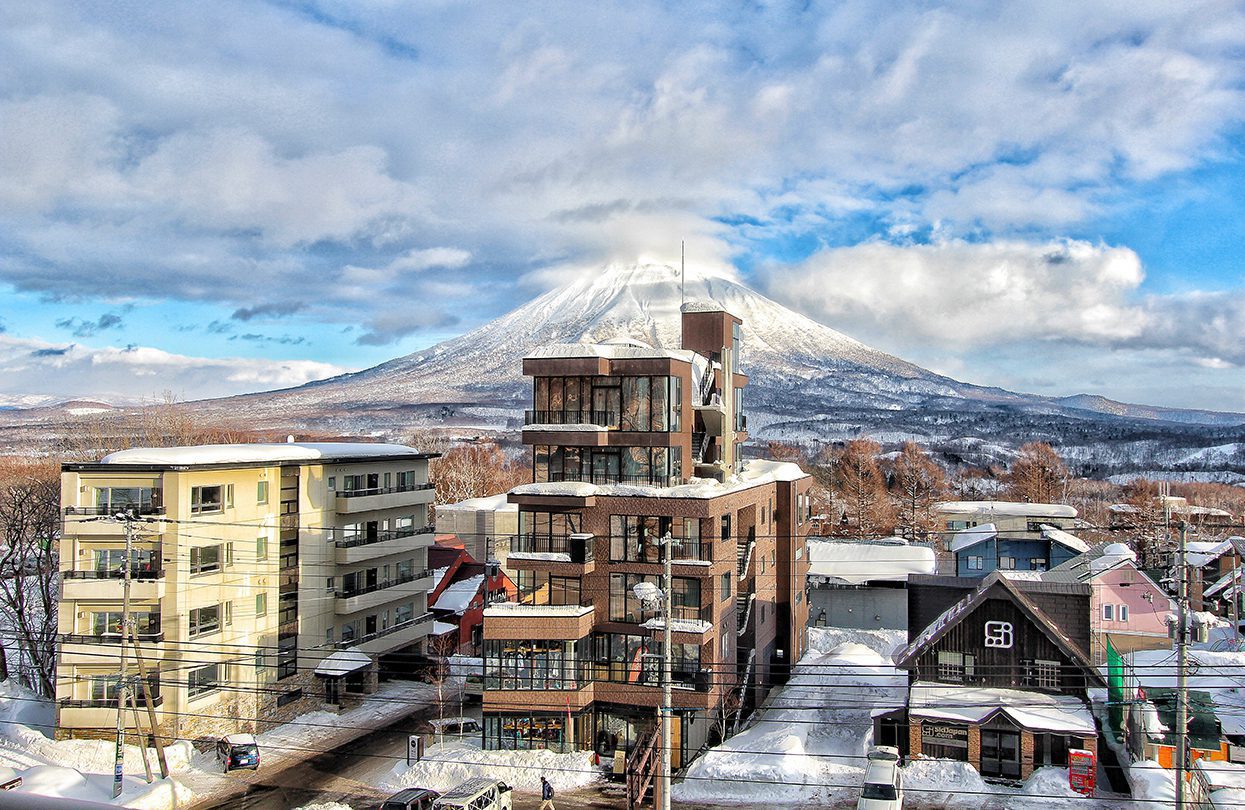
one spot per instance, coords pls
(123, 674)
(1182, 668)
(667, 737)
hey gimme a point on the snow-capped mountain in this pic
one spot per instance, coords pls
(808, 382)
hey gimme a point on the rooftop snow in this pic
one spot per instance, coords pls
(755, 473)
(1006, 508)
(343, 662)
(1064, 538)
(517, 609)
(679, 625)
(441, 628)
(702, 306)
(1200, 552)
(611, 351)
(457, 597)
(254, 453)
(966, 538)
(856, 562)
(493, 503)
(1034, 710)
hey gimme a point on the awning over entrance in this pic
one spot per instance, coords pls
(343, 662)
(1036, 711)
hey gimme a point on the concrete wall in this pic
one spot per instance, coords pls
(864, 608)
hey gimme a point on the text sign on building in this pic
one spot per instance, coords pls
(1082, 771)
(999, 634)
(955, 736)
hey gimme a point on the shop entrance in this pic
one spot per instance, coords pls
(1000, 753)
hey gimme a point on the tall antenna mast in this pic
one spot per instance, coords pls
(682, 272)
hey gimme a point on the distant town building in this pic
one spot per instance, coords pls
(632, 444)
(863, 584)
(483, 525)
(266, 579)
(985, 536)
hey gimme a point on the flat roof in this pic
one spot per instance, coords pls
(1007, 508)
(214, 456)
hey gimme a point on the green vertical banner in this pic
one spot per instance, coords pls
(1116, 700)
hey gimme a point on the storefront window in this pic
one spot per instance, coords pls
(530, 731)
(530, 665)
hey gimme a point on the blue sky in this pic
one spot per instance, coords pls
(225, 197)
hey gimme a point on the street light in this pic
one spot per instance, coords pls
(654, 598)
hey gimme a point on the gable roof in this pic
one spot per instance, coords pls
(995, 586)
(967, 538)
(1098, 560)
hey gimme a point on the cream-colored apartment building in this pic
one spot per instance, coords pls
(255, 567)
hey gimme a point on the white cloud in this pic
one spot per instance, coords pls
(138, 373)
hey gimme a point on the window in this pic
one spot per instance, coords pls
(403, 613)
(328, 635)
(261, 604)
(531, 664)
(229, 496)
(204, 620)
(1007, 563)
(261, 549)
(328, 585)
(975, 563)
(954, 666)
(261, 492)
(1037, 564)
(229, 554)
(108, 622)
(347, 632)
(203, 680)
(205, 559)
(205, 499)
(1122, 613)
(1108, 613)
(259, 661)
(726, 586)
(1044, 674)
(228, 606)
(110, 500)
(406, 570)
(332, 483)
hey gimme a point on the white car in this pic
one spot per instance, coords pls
(476, 794)
(883, 787)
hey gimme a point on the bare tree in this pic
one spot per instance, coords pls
(917, 485)
(859, 480)
(1038, 475)
(29, 578)
(475, 471)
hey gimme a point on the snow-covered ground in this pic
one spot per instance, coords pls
(82, 769)
(449, 764)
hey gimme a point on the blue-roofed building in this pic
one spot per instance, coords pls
(985, 548)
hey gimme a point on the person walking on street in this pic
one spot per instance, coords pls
(546, 794)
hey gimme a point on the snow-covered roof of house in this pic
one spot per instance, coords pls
(441, 628)
(1202, 552)
(259, 453)
(457, 597)
(967, 538)
(1216, 673)
(1037, 711)
(754, 473)
(1230, 578)
(632, 350)
(852, 563)
(702, 306)
(1057, 535)
(492, 503)
(343, 662)
(1098, 560)
(1006, 508)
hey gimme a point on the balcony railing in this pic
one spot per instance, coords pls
(578, 548)
(630, 480)
(380, 586)
(393, 534)
(359, 493)
(572, 417)
(115, 573)
(145, 509)
(397, 628)
(631, 550)
(109, 638)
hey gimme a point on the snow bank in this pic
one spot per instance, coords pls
(1152, 782)
(450, 764)
(1048, 786)
(942, 783)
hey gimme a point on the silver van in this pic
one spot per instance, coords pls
(476, 794)
(883, 787)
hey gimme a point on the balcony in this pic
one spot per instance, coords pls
(373, 498)
(576, 549)
(351, 550)
(391, 638)
(604, 420)
(100, 511)
(608, 479)
(145, 585)
(99, 650)
(515, 620)
(371, 596)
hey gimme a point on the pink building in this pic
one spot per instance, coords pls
(1126, 606)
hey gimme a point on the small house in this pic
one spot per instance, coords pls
(863, 584)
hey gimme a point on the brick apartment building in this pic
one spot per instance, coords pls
(631, 443)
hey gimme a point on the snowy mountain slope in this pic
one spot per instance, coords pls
(808, 382)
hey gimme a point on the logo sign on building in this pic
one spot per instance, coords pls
(1082, 770)
(937, 734)
(999, 634)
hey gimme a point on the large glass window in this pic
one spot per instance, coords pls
(632, 658)
(108, 622)
(547, 532)
(205, 620)
(126, 499)
(625, 606)
(531, 664)
(541, 588)
(633, 538)
(530, 730)
(206, 559)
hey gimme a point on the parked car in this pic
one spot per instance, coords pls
(476, 794)
(411, 799)
(238, 751)
(883, 787)
(456, 726)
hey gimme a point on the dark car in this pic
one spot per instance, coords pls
(411, 799)
(238, 751)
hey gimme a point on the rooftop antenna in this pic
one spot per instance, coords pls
(682, 272)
